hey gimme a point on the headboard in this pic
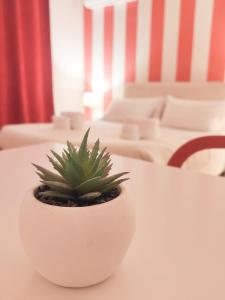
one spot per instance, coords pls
(200, 91)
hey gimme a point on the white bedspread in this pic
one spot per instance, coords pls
(156, 150)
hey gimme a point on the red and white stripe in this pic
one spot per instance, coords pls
(143, 44)
(217, 43)
(170, 37)
(119, 41)
(201, 40)
(88, 21)
(153, 40)
(108, 54)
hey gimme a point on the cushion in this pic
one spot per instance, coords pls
(76, 118)
(130, 132)
(148, 127)
(194, 114)
(61, 122)
(123, 110)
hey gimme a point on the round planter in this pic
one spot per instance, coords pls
(76, 246)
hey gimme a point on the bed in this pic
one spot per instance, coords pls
(157, 150)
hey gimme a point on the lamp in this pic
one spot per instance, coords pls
(93, 4)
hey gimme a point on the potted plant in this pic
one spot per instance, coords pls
(77, 225)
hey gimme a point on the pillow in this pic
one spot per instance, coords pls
(194, 114)
(148, 127)
(123, 110)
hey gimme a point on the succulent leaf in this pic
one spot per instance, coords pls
(57, 166)
(77, 166)
(56, 195)
(60, 159)
(95, 166)
(94, 153)
(112, 185)
(48, 174)
(73, 177)
(104, 168)
(59, 187)
(70, 147)
(83, 151)
(89, 185)
(90, 196)
(108, 180)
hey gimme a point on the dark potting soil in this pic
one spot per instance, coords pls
(105, 197)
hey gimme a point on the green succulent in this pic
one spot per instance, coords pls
(82, 174)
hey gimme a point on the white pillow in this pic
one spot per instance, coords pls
(126, 109)
(194, 114)
(148, 127)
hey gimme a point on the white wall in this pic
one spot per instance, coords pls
(66, 21)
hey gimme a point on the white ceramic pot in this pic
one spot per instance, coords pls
(76, 246)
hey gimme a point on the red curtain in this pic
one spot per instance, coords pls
(25, 62)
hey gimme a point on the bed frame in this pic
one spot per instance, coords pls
(200, 91)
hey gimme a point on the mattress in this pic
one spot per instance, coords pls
(157, 150)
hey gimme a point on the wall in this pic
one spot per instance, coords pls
(66, 17)
(152, 40)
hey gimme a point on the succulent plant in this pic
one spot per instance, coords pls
(82, 174)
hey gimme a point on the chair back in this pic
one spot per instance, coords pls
(195, 145)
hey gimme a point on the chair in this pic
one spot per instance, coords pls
(195, 145)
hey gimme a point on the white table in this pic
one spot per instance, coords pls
(178, 252)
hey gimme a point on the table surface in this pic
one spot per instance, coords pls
(178, 252)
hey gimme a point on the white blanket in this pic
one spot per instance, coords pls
(156, 150)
